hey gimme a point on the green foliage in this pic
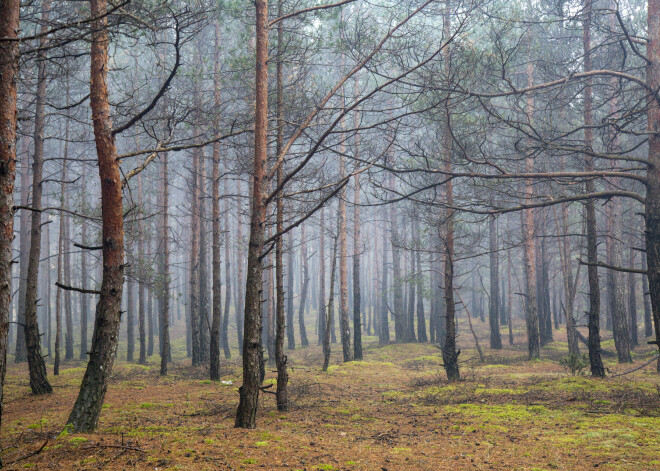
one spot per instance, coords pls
(575, 363)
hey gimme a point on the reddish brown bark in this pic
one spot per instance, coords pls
(87, 409)
(249, 390)
(9, 53)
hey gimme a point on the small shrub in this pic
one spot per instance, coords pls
(575, 363)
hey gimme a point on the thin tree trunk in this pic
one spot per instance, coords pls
(85, 414)
(331, 309)
(493, 314)
(290, 332)
(164, 302)
(84, 300)
(632, 299)
(224, 336)
(648, 323)
(281, 393)
(321, 296)
(141, 295)
(303, 291)
(214, 369)
(38, 376)
(20, 354)
(357, 295)
(383, 323)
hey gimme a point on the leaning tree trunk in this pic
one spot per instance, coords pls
(85, 414)
(38, 377)
(9, 53)
(214, 369)
(246, 415)
(597, 368)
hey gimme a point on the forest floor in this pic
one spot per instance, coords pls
(392, 411)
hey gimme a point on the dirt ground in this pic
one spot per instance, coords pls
(392, 411)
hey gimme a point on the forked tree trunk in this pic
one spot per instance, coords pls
(246, 415)
(38, 376)
(87, 409)
(9, 54)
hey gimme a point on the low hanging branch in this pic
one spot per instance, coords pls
(613, 267)
(476, 340)
(79, 290)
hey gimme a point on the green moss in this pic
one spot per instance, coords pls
(77, 440)
(249, 461)
(261, 443)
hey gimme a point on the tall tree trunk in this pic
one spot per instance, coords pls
(84, 299)
(529, 242)
(648, 323)
(493, 314)
(281, 393)
(321, 296)
(632, 299)
(164, 301)
(240, 286)
(224, 335)
(383, 322)
(20, 354)
(564, 247)
(246, 414)
(419, 281)
(214, 370)
(400, 328)
(140, 275)
(617, 291)
(303, 290)
(331, 308)
(85, 414)
(596, 363)
(290, 332)
(204, 322)
(449, 351)
(38, 376)
(357, 295)
(130, 315)
(652, 206)
(9, 55)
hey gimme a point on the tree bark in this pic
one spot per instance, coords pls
(38, 376)
(164, 301)
(84, 300)
(214, 369)
(9, 55)
(357, 295)
(596, 363)
(321, 296)
(303, 290)
(85, 414)
(331, 308)
(140, 275)
(493, 311)
(249, 391)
